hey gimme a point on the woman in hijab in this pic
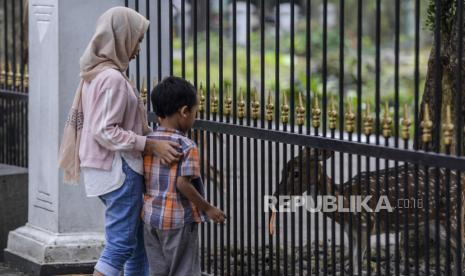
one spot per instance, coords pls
(103, 139)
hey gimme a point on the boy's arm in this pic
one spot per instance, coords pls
(188, 190)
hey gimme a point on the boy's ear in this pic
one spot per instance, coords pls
(184, 111)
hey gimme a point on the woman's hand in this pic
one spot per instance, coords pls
(167, 151)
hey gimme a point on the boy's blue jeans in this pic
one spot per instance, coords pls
(123, 229)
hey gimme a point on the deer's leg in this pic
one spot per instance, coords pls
(214, 171)
(357, 251)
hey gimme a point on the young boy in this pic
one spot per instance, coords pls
(174, 203)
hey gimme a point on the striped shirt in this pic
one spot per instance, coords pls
(164, 206)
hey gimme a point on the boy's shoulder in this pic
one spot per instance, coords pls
(186, 143)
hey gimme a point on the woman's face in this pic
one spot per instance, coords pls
(137, 50)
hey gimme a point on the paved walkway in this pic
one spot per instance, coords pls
(5, 271)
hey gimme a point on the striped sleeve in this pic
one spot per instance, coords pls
(190, 163)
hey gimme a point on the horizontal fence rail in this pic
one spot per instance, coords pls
(327, 100)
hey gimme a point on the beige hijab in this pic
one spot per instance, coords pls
(117, 35)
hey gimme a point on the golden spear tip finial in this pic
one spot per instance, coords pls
(350, 118)
(406, 112)
(300, 110)
(315, 101)
(426, 109)
(405, 124)
(227, 102)
(241, 104)
(201, 99)
(214, 101)
(316, 112)
(426, 125)
(448, 127)
(367, 121)
(255, 105)
(387, 121)
(284, 109)
(269, 107)
(284, 99)
(332, 113)
(144, 83)
(143, 91)
(10, 81)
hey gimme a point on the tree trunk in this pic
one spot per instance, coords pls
(449, 93)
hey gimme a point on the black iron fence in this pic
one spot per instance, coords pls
(13, 83)
(329, 99)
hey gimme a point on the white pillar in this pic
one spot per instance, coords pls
(64, 232)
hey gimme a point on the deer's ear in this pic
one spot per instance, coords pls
(325, 154)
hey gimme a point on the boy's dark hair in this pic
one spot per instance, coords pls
(171, 94)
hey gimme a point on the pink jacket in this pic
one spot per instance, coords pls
(111, 121)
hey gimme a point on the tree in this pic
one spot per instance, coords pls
(448, 78)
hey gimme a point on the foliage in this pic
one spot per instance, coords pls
(448, 10)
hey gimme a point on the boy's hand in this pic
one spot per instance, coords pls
(167, 151)
(216, 214)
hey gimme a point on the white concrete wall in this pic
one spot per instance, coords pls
(59, 33)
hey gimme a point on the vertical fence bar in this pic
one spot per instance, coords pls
(5, 86)
(5, 42)
(386, 192)
(341, 130)
(292, 129)
(285, 190)
(241, 194)
(220, 140)
(333, 214)
(207, 133)
(406, 195)
(15, 155)
(416, 123)
(437, 123)
(194, 44)
(396, 134)
(148, 63)
(228, 185)
(256, 199)
(277, 106)
(359, 127)
(262, 142)
(248, 145)
(183, 38)
(138, 56)
(159, 39)
(171, 35)
(377, 127)
(324, 80)
(270, 191)
(21, 15)
(234, 83)
(458, 133)
(308, 105)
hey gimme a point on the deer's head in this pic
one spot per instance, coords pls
(302, 169)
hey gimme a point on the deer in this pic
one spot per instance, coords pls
(293, 173)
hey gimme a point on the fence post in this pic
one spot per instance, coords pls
(64, 232)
